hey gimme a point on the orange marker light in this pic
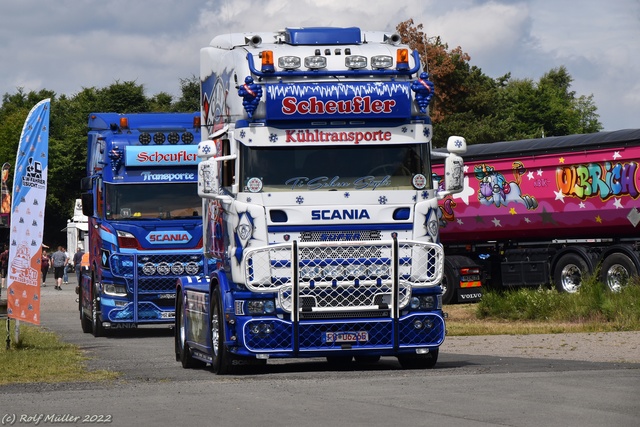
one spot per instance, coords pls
(267, 61)
(124, 122)
(402, 59)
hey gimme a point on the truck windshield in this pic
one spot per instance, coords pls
(332, 168)
(152, 201)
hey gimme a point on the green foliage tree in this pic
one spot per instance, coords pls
(189, 100)
(482, 109)
(67, 135)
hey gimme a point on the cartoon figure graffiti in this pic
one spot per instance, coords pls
(446, 211)
(495, 190)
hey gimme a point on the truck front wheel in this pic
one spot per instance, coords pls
(183, 353)
(85, 322)
(448, 285)
(96, 322)
(569, 272)
(222, 359)
(617, 269)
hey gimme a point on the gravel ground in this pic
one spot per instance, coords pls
(591, 347)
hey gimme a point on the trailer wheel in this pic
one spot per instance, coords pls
(616, 271)
(569, 272)
(419, 361)
(448, 285)
(222, 359)
(85, 322)
(96, 323)
(183, 354)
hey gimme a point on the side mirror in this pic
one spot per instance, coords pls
(208, 182)
(453, 174)
(86, 184)
(87, 204)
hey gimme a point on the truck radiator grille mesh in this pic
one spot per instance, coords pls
(343, 275)
(323, 236)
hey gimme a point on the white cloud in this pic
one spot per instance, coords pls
(67, 45)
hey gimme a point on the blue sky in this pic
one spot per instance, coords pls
(67, 45)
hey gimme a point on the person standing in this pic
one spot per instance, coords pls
(77, 262)
(4, 265)
(59, 261)
(65, 273)
(44, 266)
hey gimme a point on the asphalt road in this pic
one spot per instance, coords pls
(464, 389)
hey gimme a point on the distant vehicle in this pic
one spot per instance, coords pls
(549, 210)
(145, 218)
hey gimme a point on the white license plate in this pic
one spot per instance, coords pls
(168, 315)
(362, 336)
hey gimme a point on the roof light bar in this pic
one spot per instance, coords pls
(289, 62)
(380, 62)
(315, 62)
(355, 62)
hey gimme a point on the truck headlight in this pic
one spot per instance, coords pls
(114, 290)
(424, 302)
(255, 307)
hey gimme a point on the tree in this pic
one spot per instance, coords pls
(469, 103)
(68, 138)
(190, 99)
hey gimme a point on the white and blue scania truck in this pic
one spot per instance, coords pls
(320, 211)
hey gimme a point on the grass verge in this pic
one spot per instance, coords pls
(40, 356)
(546, 311)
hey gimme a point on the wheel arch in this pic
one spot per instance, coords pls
(582, 251)
(625, 249)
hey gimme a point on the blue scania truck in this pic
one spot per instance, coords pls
(320, 212)
(144, 218)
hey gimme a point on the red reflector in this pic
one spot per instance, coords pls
(474, 284)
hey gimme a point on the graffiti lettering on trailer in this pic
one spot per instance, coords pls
(598, 179)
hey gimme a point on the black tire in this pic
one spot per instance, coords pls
(85, 322)
(96, 318)
(569, 272)
(616, 271)
(419, 361)
(448, 285)
(183, 353)
(222, 359)
(367, 360)
(339, 361)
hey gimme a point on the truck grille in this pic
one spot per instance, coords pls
(339, 276)
(156, 273)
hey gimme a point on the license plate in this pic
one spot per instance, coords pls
(472, 278)
(362, 336)
(168, 315)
